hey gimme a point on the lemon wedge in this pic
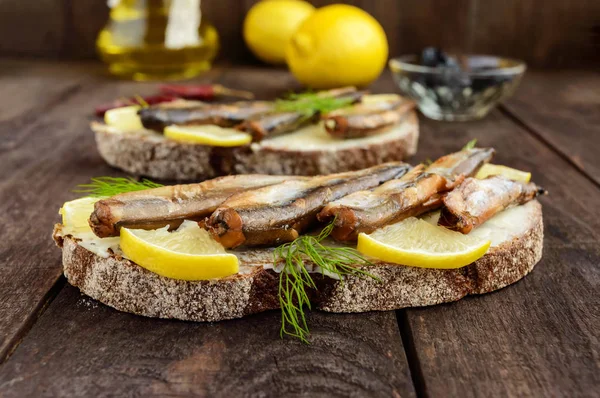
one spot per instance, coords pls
(124, 118)
(75, 214)
(417, 243)
(208, 135)
(188, 253)
(377, 98)
(495, 169)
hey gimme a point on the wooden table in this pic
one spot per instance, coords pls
(539, 337)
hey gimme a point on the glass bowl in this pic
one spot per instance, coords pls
(458, 93)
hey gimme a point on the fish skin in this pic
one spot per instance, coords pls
(279, 213)
(466, 162)
(171, 205)
(158, 117)
(475, 201)
(264, 121)
(364, 120)
(275, 123)
(415, 193)
(365, 211)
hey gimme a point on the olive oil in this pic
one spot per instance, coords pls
(157, 39)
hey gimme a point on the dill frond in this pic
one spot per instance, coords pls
(110, 186)
(295, 279)
(311, 103)
(470, 145)
(141, 101)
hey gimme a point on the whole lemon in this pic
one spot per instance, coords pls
(269, 25)
(337, 45)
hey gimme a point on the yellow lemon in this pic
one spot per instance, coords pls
(208, 135)
(415, 242)
(269, 25)
(510, 173)
(125, 118)
(338, 45)
(189, 253)
(75, 214)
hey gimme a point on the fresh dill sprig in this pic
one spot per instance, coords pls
(311, 103)
(110, 186)
(295, 279)
(141, 101)
(470, 145)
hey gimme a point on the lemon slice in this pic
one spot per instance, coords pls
(495, 169)
(124, 118)
(188, 253)
(208, 135)
(377, 98)
(75, 214)
(417, 243)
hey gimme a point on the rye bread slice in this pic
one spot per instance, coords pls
(128, 287)
(149, 154)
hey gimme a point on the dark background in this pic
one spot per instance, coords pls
(545, 33)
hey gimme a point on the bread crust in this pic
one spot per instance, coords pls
(152, 156)
(128, 287)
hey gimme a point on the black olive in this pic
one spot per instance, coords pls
(433, 57)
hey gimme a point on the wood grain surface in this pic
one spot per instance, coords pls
(83, 348)
(536, 338)
(48, 151)
(565, 113)
(27, 275)
(545, 33)
(539, 336)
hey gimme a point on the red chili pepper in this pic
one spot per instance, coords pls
(203, 92)
(149, 100)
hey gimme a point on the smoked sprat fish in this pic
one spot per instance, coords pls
(367, 118)
(475, 201)
(281, 121)
(415, 193)
(275, 123)
(279, 213)
(158, 117)
(171, 205)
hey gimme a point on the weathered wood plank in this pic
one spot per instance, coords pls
(46, 157)
(538, 337)
(28, 92)
(70, 122)
(563, 108)
(227, 358)
(541, 32)
(86, 19)
(266, 83)
(544, 33)
(28, 89)
(33, 28)
(80, 347)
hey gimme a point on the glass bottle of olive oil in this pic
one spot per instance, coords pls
(157, 39)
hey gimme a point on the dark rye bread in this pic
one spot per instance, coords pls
(128, 287)
(149, 154)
